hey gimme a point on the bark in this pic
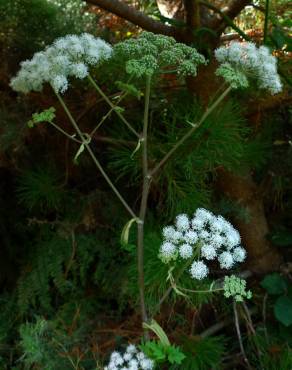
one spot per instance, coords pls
(134, 16)
(231, 11)
(262, 257)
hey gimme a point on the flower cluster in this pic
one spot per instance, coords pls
(239, 61)
(236, 288)
(67, 56)
(132, 359)
(204, 237)
(149, 52)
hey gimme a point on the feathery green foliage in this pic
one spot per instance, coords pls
(41, 187)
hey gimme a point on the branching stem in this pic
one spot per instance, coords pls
(109, 102)
(208, 111)
(65, 133)
(95, 160)
(106, 116)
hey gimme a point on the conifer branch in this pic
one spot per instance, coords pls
(190, 132)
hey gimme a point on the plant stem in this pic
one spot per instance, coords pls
(114, 107)
(168, 291)
(95, 160)
(239, 335)
(144, 199)
(65, 133)
(208, 111)
(267, 10)
(106, 116)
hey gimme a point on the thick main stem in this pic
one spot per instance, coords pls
(208, 111)
(144, 199)
(95, 160)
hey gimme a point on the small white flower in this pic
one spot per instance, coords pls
(204, 214)
(226, 260)
(199, 270)
(115, 354)
(185, 251)
(239, 254)
(168, 250)
(232, 238)
(218, 224)
(127, 356)
(172, 235)
(147, 364)
(140, 356)
(197, 223)
(79, 70)
(204, 234)
(208, 251)
(216, 240)
(131, 348)
(191, 237)
(133, 365)
(182, 222)
(59, 83)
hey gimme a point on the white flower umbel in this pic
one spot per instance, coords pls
(240, 62)
(182, 222)
(68, 56)
(239, 254)
(185, 251)
(199, 270)
(132, 359)
(202, 238)
(226, 260)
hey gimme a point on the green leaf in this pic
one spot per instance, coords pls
(157, 329)
(126, 231)
(79, 152)
(136, 149)
(154, 350)
(274, 284)
(283, 310)
(129, 89)
(119, 109)
(81, 148)
(175, 356)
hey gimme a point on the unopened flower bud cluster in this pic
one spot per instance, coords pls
(236, 288)
(243, 61)
(149, 52)
(203, 238)
(67, 56)
(132, 359)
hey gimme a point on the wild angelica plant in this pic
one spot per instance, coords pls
(206, 236)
